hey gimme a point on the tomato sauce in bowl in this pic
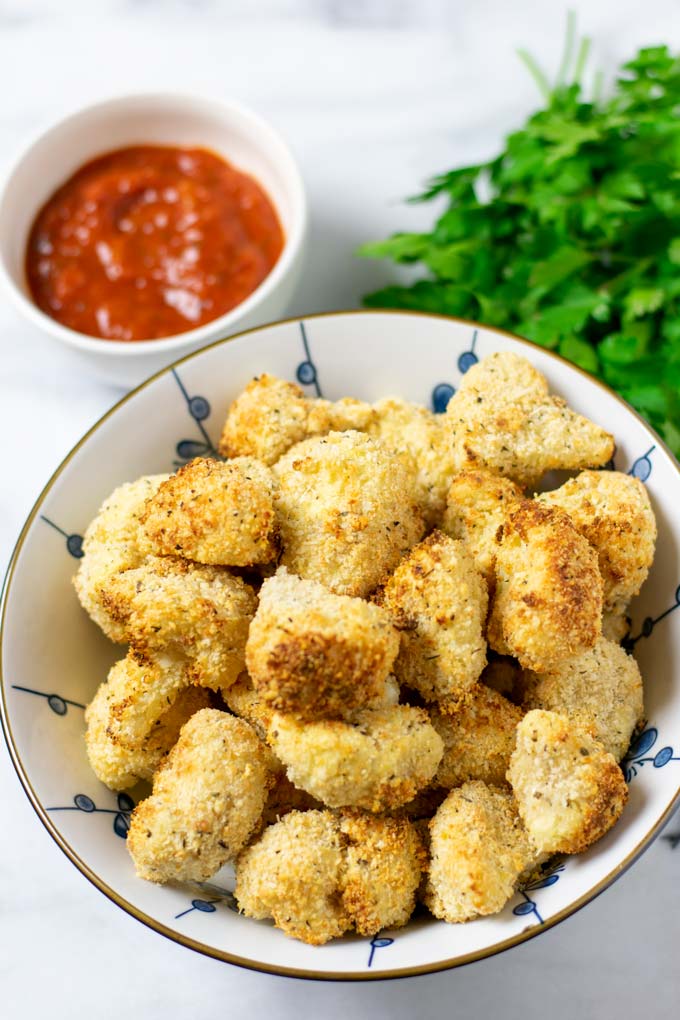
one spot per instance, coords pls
(150, 241)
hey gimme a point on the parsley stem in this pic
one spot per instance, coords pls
(568, 49)
(581, 58)
(536, 73)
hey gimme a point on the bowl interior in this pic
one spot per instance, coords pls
(53, 657)
(237, 135)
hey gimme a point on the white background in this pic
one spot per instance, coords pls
(374, 96)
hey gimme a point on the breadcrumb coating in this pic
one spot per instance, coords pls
(478, 850)
(243, 700)
(319, 875)
(118, 764)
(378, 761)
(569, 790)
(418, 438)
(384, 861)
(113, 541)
(600, 690)
(613, 512)
(478, 736)
(548, 601)
(316, 654)
(215, 512)
(293, 874)
(347, 511)
(206, 800)
(438, 600)
(198, 612)
(503, 418)
(616, 625)
(477, 504)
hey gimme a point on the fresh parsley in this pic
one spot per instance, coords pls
(571, 236)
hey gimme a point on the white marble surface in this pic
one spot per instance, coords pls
(374, 95)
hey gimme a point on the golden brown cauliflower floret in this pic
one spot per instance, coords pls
(319, 875)
(569, 790)
(215, 512)
(378, 761)
(478, 850)
(384, 860)
(316, 654)
(206, 800)
(502, 417)
(198, 612)
(548, 601)
(114, 541)
(479, 737)
(600, 689)
(130, 729)
(419, 438)
(293, 874)
(346, 511)
(612, 511)
(438, 601)
(266, 419)
(477, 505)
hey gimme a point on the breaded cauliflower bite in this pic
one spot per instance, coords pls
(478, 850)
(502, 417)
(548, 601)
(600, 689)
(201, 613)
(477, 504)
(319, 875)
(613, 512)
(113, 541)
(206, 800)
(478, 736)
(569, 790)
(347, 511)
(420, 439)
(215, 512)
(378, 761)
(130, 727)
(438, 600)
(316, 654)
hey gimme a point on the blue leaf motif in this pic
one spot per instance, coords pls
(199, 408)
(57, 704)
(84, 803)
(544, 883)
(524, 908)
(121, 825)
(441, 395)
(643, 743)
(662, 757)
(125, 802)
(187, 449)
(204, 905)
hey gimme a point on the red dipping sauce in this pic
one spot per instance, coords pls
(150, 241)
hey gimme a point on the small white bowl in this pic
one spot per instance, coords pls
(52, 657)
(229, 129)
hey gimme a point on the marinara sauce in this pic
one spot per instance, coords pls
(150, 241)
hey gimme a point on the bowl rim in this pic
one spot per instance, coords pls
(194, 944)
(274, 142)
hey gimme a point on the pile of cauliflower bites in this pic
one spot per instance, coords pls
(367, 665)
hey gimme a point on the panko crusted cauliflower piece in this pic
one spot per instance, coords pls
(548, 601)
(272, 415)
(420, 439)
(113, 541)
(478, 736)
(198, 612)
(477, 505)
(438, 600)
(569, 790)
(215, 512)
(378, 761)
(206, 800)
(478, 850)
(316, 654)
(347, 511)
(503, 418)
(319, 875)
(243, 700)
(613, 512)
(130, 729)
(600, 689)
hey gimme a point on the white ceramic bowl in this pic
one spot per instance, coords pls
(53, 657)
(226, 128)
